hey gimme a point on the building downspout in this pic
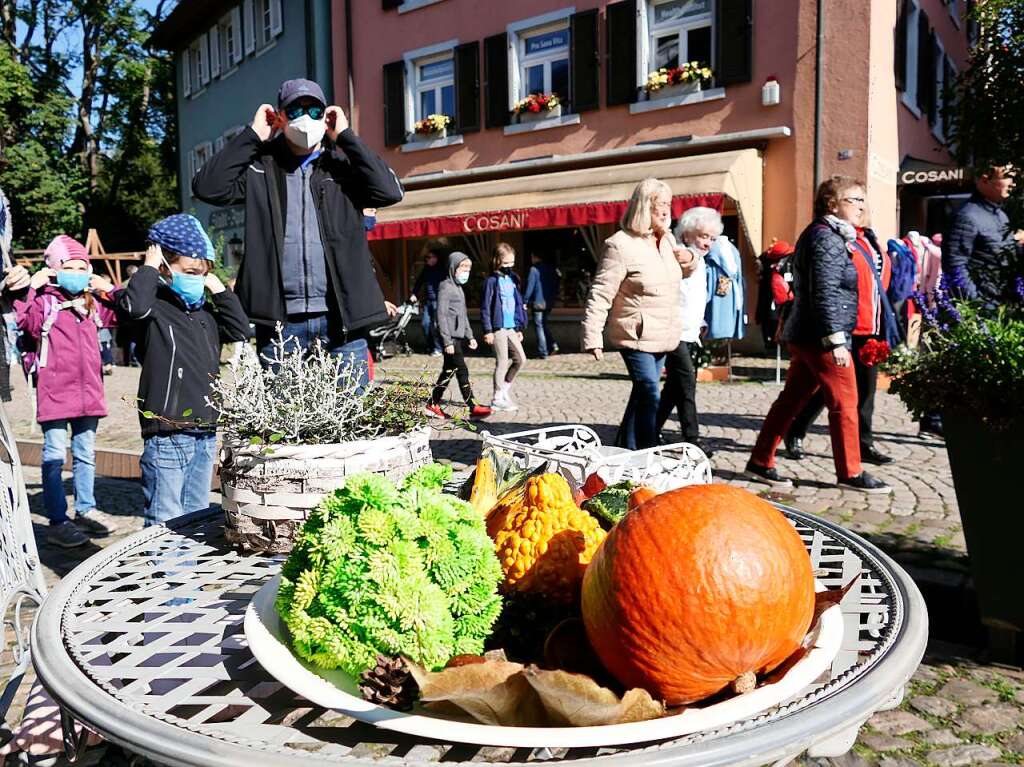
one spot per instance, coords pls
(819, 96)
(348, 66)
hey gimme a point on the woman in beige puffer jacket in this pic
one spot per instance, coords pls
(636, 290)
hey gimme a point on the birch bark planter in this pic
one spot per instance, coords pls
(674, 91)
(544, 114)
(267, 495)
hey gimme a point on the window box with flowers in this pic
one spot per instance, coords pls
(538, 106)
(668, 82)
(431, 128)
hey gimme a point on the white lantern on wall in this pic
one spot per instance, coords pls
(771, 92)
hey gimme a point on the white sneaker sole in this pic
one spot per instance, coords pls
(867, 491)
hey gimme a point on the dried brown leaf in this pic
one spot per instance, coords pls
(494, 692)
(575, 700)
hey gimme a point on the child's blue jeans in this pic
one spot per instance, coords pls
(177, 470)
(55, 446)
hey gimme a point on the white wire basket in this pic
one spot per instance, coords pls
(576, 452)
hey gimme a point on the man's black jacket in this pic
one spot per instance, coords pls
(345, 180)
(977, 248)
(179, 349)
(823, 311)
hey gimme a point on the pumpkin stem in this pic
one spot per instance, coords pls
(745, 682)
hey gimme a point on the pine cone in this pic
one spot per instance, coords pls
(389, 683)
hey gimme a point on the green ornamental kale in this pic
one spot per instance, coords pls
(611, 503)
(397, 570)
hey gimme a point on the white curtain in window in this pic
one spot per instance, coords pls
(214, 51)
(275, 17)
(250, 26)
(514, 79)
(236, 34)
(186, 71)
(643, 43)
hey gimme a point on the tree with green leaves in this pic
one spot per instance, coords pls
(985, 116)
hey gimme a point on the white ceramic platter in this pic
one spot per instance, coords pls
(337, 690)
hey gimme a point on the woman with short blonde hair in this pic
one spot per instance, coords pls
(636, 292)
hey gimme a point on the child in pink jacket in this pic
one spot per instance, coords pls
(64, 306)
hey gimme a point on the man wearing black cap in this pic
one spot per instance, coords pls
(307, 264)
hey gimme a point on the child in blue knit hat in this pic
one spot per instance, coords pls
(178, 333)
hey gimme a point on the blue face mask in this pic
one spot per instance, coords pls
(73, 282)
(462, 278)
(369, 222)
(190, 287)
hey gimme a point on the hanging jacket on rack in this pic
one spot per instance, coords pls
(725, 315)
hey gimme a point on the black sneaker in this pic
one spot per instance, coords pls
(866, 484)
(766, 475)
(872, 455)
(704, 446)
(795, 448)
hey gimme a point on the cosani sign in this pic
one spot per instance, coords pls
(933, 176)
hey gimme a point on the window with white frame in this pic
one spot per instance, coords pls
(910, 86)
(230, 41)
(195, 61)
(198, 156)
(265, 23)
(544, 61)
(679, 31)
(434, 86)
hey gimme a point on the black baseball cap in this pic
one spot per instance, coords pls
(292, 90)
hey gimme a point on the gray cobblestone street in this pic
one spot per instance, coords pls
(959, 709)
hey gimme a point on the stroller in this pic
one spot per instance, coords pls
(389, 339)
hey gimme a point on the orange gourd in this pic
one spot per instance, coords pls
(696, 589)
(640, 496)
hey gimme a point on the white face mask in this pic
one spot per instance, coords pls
(305, 131)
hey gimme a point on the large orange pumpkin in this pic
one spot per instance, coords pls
(696, 588)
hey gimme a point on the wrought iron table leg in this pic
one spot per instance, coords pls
(74, 741)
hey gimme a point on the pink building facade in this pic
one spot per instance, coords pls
(743, 140)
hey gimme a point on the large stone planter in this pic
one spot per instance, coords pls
(268, 494)
(544, 114)
(985, 463)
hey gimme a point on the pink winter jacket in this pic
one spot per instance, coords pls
(70, 385)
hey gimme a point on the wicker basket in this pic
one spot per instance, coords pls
(267, 495)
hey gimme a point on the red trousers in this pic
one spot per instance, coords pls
(811, 368)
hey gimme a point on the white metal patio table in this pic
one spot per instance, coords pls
(144, 644)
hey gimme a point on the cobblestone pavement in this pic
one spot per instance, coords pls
(959, 709)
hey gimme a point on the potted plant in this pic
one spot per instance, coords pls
(677, 81)
(295, 430)
(970, 367)
(432, 127)
(538, 106)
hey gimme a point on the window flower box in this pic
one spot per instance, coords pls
(537, 106)
(669, 82)
(431, 128)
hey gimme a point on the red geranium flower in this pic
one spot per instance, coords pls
(874, 352)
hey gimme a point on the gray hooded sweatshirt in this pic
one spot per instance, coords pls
(452, 317)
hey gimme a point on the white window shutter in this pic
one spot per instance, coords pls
(236, 34)
(215, 51)
(276, 22)
(186, 71)
(250, 26)
(204, 59)
(218, 144)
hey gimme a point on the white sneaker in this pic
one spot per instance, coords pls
(501, 401)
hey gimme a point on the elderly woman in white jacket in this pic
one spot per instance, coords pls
(697, 230)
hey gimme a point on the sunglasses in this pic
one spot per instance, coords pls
(854, 200)
(296, 111)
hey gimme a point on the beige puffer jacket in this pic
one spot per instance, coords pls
(637, 291)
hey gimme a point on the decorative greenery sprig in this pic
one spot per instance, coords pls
(401, 571)
(311, 398)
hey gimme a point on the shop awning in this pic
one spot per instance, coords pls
(577, 197)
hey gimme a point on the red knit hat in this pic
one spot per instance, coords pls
(779, 250)
(63, 248)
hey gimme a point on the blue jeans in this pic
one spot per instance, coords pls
(428, 318)
(638, 429)
(83, 467)
(177, 470)
(302, 331)
(544, 338)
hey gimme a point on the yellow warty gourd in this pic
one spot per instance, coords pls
(543, 540)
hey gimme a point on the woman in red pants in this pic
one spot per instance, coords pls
(818, 330)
